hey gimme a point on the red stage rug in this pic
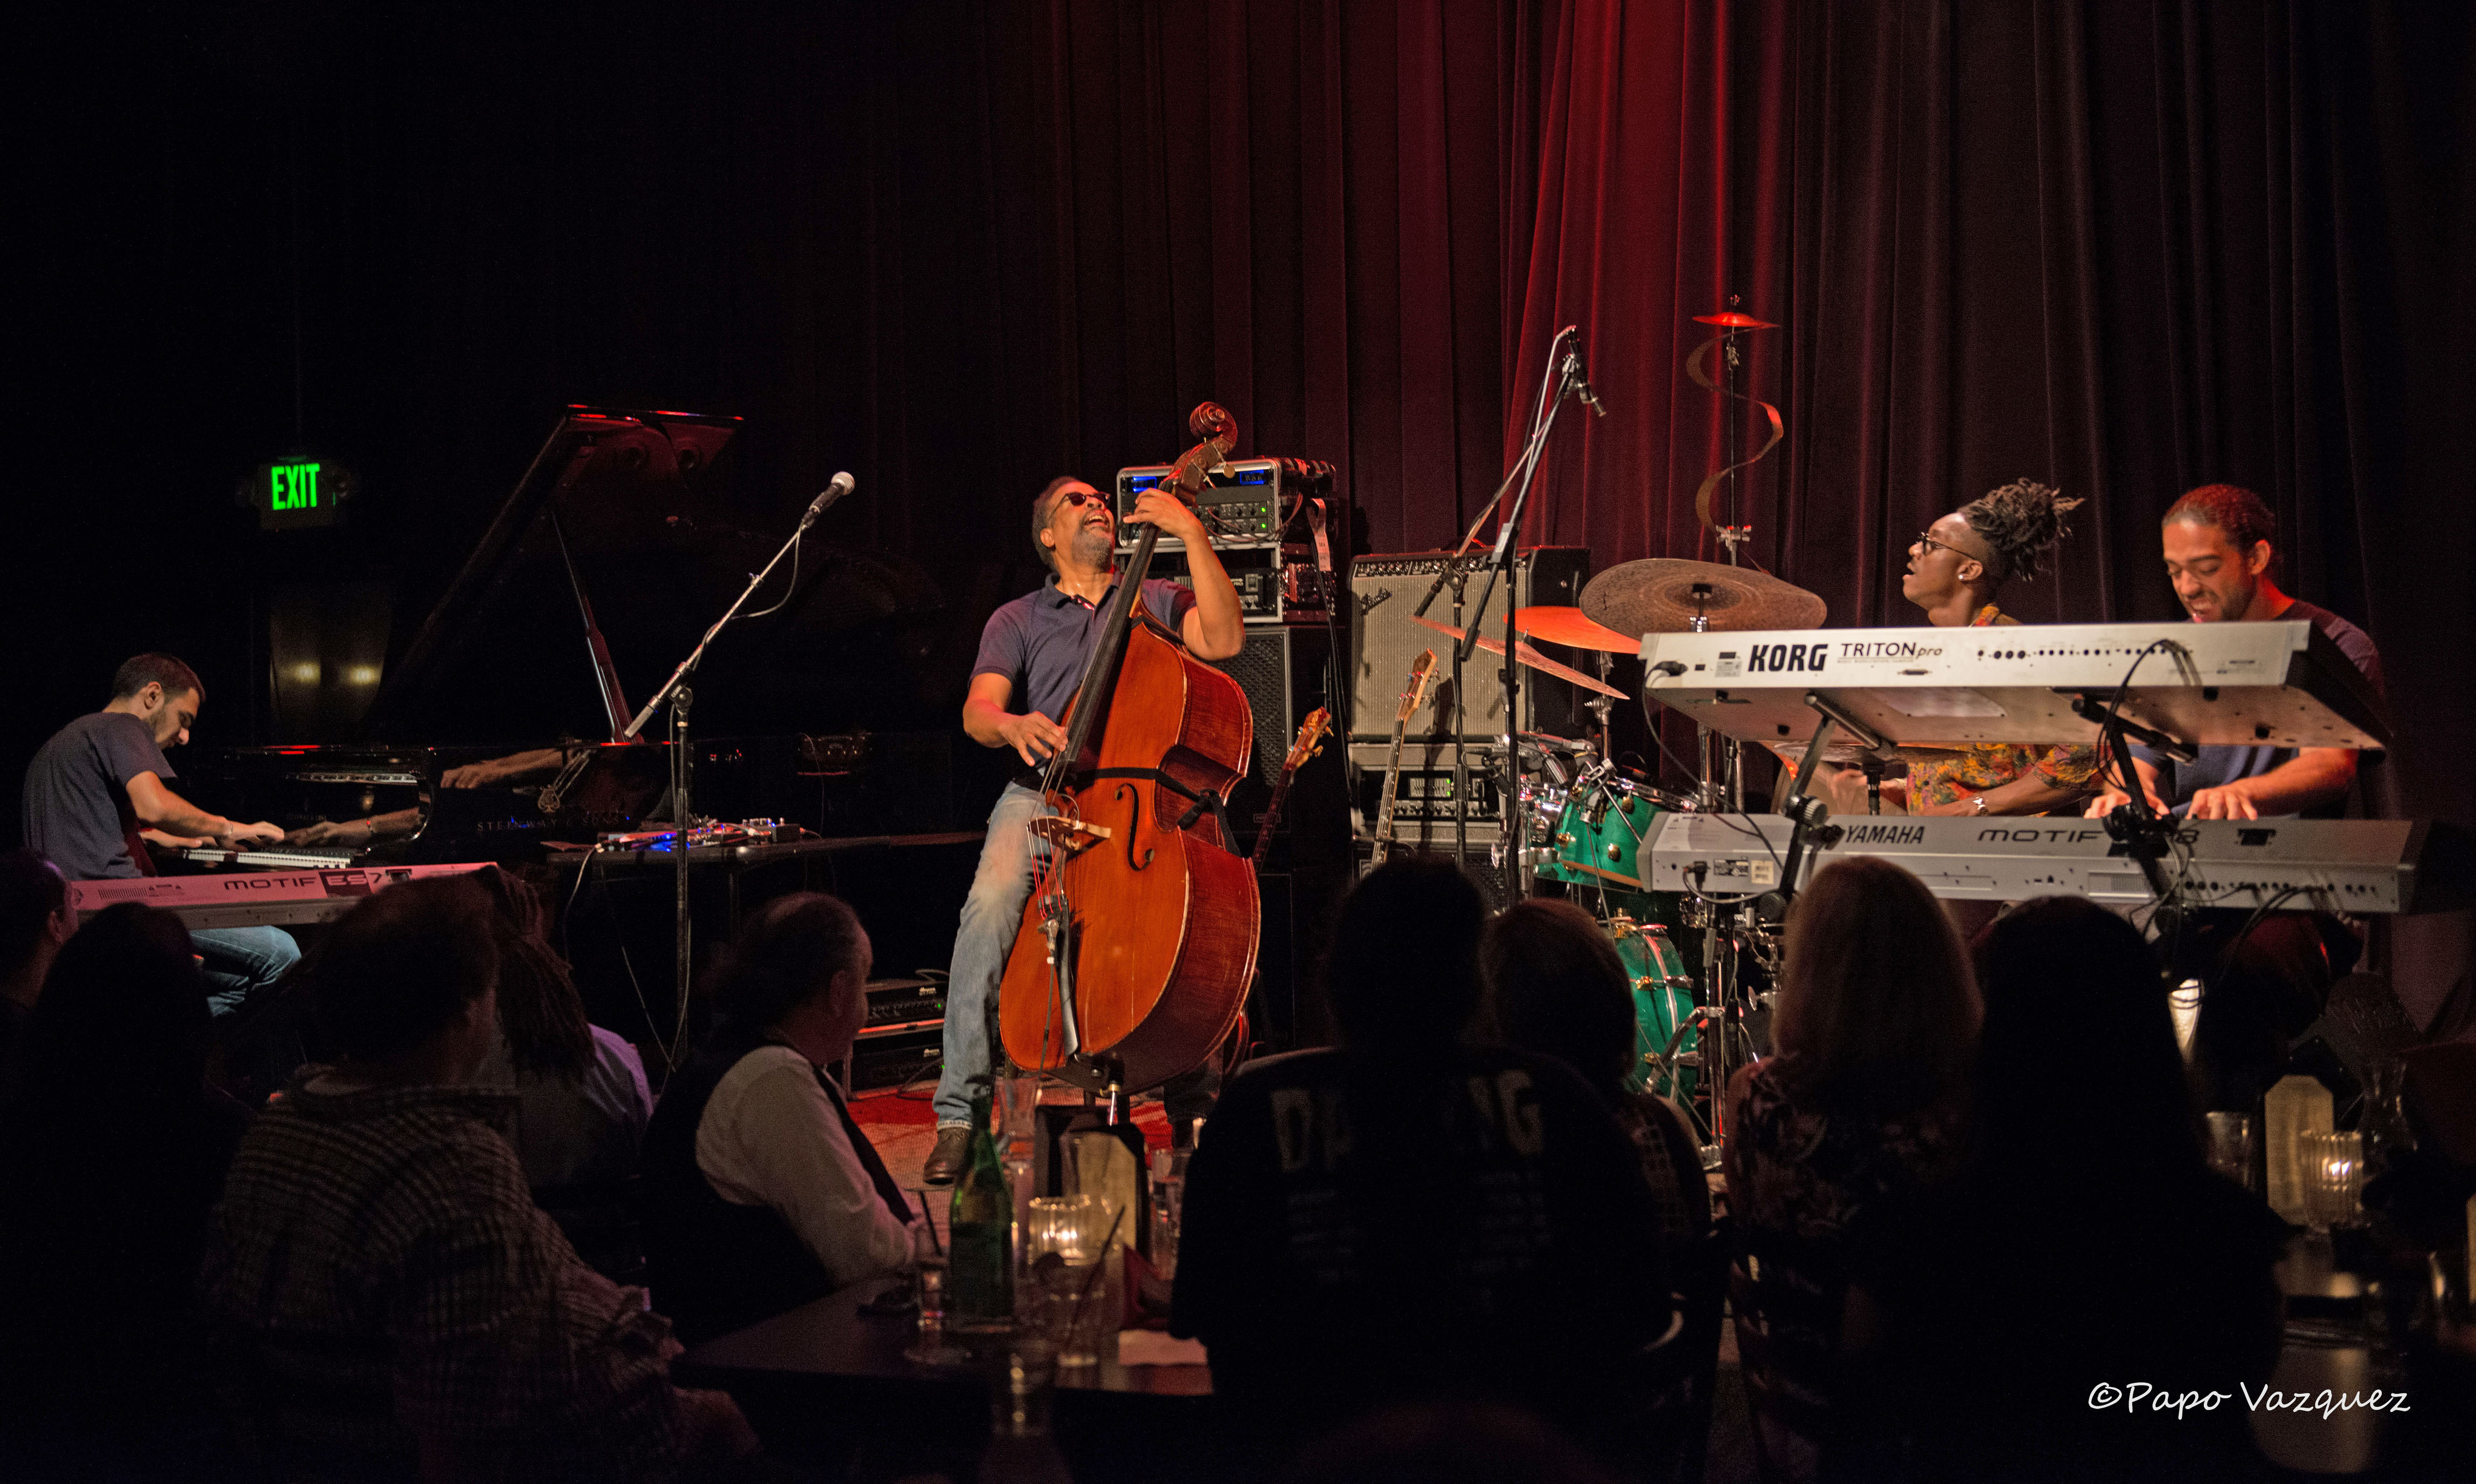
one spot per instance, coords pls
(884, 1107)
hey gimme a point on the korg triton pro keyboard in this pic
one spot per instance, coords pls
(2284, 684)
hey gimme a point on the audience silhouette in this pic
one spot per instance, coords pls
(764, 1193)
(1863, 1105)
(1558, 988)
(387, 1297)
(113, 1147)
(1411, 1215)
(2086, 1241)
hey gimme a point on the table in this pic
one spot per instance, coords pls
(2331, 1354)
(737, 860)
(824, 1380)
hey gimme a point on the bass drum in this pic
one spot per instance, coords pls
(1668, 1052)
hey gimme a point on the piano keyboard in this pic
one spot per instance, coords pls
(254, 899)
(268, 860)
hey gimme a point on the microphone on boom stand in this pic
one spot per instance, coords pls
(839, 486)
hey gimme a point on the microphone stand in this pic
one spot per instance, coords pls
(675, 694)
(1456, 570)
(1500, 563)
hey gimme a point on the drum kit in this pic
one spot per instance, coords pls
(1585, 822)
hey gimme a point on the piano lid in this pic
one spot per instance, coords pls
(511, 649)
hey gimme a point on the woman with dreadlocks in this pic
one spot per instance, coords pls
(1956, 566)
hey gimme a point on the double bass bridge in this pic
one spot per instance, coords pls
(1063, 833)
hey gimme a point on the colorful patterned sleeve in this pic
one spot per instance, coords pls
(2067, 767)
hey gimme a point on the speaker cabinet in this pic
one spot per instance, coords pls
(1284, 672)
(1387, 591)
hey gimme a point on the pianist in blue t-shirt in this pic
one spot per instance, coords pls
(2216, 543)
(102, 780)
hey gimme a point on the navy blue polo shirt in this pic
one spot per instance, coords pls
(1041, 640)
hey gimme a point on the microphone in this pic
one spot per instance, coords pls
(1579, 381)
(839, 486)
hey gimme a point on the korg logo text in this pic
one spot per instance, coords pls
(1783, 658)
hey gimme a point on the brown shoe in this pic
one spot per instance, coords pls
(946, 1161)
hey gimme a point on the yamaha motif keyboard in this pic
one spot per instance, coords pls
(2284, 684)
(254, 899)
(2340, 865)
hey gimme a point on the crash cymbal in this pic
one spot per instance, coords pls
(1528, 656)
(1662, 595)
(1731, 319)
(1571, 625)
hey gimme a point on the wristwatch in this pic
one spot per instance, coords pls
(1980, 802)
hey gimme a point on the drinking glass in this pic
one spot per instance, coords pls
(2231, 1148)
(2334, 1165)
(930, 1271)
(1018, 1114)
(1169, 1190)
(1067, 1243)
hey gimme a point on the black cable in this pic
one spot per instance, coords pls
(2130, 779)
(798, 538)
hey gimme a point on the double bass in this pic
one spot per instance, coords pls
(1137, 946)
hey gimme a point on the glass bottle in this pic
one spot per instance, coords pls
(982, 1277)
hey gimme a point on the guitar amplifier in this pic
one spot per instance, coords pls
(903, 1036)
(1386, 590)
(1429, 793)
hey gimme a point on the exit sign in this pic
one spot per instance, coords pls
(296, 492)
(292, 486)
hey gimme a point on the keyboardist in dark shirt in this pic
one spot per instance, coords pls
(2263, 989)
(2216, 545)
(102, 779)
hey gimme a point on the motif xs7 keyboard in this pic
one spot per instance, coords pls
(254, 899)
(2339, 865)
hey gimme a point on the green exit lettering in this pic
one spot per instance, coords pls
(293, 486)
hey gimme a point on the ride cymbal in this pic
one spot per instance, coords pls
(1664, 594)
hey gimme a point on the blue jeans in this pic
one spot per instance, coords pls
(241, 961)
(992, 916)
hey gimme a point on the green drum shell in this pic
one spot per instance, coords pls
(1605, 852)
(1657, 973)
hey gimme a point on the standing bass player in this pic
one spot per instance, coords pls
(1032, 652)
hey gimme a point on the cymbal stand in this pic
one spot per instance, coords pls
(1601, 706)
(1459, 573)
(1724, 1042)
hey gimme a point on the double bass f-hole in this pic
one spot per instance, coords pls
(1134, 803)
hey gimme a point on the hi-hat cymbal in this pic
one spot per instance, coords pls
(1663, 594)
(1528, 656)
(1573, 626)
(1731, 319)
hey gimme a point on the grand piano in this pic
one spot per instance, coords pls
(506, 795)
